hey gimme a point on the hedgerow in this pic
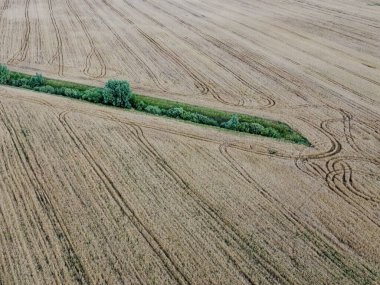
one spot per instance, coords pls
(119, 94)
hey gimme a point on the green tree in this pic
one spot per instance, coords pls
(118, 93)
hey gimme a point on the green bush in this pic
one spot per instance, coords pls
(271, 132)
(93, 95)
(232, 123)
(153, 110)
(140, 106)
(243, 127)
(189, 116)
(202, 119)
(20, 82)
(45, 89)
(36, 80)
(255, 128)
(118, 93)
(72, 93)
(176, 112)
(4, 74)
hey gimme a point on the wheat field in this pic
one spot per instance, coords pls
(98, 195)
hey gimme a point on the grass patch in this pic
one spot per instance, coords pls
(118, 93)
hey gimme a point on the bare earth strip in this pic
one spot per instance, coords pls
(97, 195)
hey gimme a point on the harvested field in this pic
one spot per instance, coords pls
(97, 195)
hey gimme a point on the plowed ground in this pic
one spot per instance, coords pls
(97, 195)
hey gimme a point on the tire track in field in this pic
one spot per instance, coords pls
(72, 260)
(226, 227)
(123, 204)
(348, 89)
(198, 199)
(344, 188)
(247, 59)
(242, 101)
(20, 55)
(317, 23)
(319, 241)
(150, 72)
(4, 8)
(124, 45)
(94, 51)
(44, 103)
(205, 86)
(249, 148)
(296, 47)
(152, 153)
(338, 13)
(39, 37)
(251, 59)
(347, 125)
(110, 249)
(340, 166)
(33, 218)
(325, 256)
(288, 44)
(59, 49)
(304, 164)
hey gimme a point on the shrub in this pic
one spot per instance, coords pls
(270, 132)
(153, 110)
(45, 89)
(243, 127)
(36, 80)
(176, 112)
(202, 119)
(72, 93)
(140, 106)
(4, 74)
(60, 91)
(255, 128)
(189, 116)
(93, 95)
(118, 93)
(232, 123)
(22, 82)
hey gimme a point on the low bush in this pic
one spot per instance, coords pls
(176, 112)
(36, 81)
(140, 106)
(72, 93)
(45, 89)
(271, 132)
(232, 123)
(256, 128)
(153, 110)
(93, 95)
(4, 74)
(20, 82)
(202, 119)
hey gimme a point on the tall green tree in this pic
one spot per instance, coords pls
(118, 93)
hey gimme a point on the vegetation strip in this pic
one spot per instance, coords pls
(119, 94)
